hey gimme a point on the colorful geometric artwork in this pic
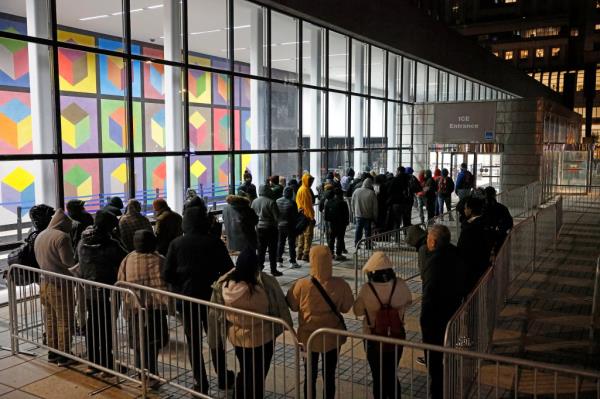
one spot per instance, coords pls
(112, 70)
(220, 129)
(199, 127)
(154, 128)
(243, 130)
(154, 86)
(114, 177)
(77, 69)
(199, 82)
(220, 89)
(201, 173)
(114, 126)
(15, 123)
(14, 66)
(79, 124)
(81, 179)
(17, 188)
(221, 173)
(156, 175)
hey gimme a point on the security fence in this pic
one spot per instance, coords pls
(595, 319)
(578, 198)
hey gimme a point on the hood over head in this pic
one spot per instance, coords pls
(134, 206)
(428, 174)
(117, 202)
(195, 220)
(350, 172)
(306, 180)
(321, 263)
(40, 216)
(105, 221)
(190, 193)
(195, 202)
(416, 236)
(437, 172)
(409, 171)
(378, 261)
(368, 183)
(60, 221)
(144, 241)
(262, 190)
(238, 200)
(288, 192)
(160, 204)
(293, 183)
(75, 206)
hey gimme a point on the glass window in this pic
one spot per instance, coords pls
(256, 164)
(460, 89)
(208, 33)
(102, 17)
(338, 115)
(468, 90)
(377, 128)
(251, 113)
(284, 47)
(443, 85)
(475, 91)
(149, 25)
(408, 80)
(394, 76)
(432, 90)
(523, 54)
(286, 164)
(555, 51)
(313, 118)
(451, 87)
(421, 82)
(407, 126)
(377, 72)
(249, 32)
(360, 67)
(358, 122)
(539, 53)
(508, 55)
(284, 116)
(338, 61)
(313, 54)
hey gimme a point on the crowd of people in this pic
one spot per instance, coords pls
(114, 246)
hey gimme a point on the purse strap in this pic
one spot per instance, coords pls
(327, 299)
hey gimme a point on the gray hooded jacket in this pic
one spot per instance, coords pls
(364, 201)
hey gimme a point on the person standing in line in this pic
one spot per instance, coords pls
(413, 188)
(132, 221)
(114, 206)
(80, 219)
(268, 216)
(275, 187)
(364, 203)
(305, 203)
(444, 193)
(239, 223)
(465, 181)
(337, 216)
(498, 219)
(246, 287)
(383, 291)
(288, 214)
(247, 187)
(320, 299)
(430, 192)
(168, 225)
(421, 196)
(100, 256)
(195, 261)
(54, 253)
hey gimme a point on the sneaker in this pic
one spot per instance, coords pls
(294, 265)
(229, 379)
(64, 361)
(422, 361)
(276, 273)
(341, 258)
(52, 357)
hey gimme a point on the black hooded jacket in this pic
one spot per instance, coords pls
(197, 259)
(99, 256)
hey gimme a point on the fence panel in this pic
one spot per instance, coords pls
(201, 346)
(578, 198)
(76, 320)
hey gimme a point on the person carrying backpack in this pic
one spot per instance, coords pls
(444, 193)
(383, 301)
(465, 181)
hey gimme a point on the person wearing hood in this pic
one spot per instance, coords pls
(275, 187)
(114, 206)
(168, 225)
(54, 253)
(247, 187)
(143, 266)
(99, 258)
(239, 223)
(399, 197)
(337, 216)
(364, 204)
(293, 183)
(195, 261)
(314, 312)
(382, 289)
(247, 288)
(497, 217)
(288, 214)
(430, 193)
(193, 199)
(305, 203)
(346, 182)
(80, 218)
(132, 221)
(268, 216)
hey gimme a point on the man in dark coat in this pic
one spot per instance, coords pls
(195, 261)
(168, 225)
(81, 220)
(247, 187)
(288, 215)
(114, 206)
(498, 219)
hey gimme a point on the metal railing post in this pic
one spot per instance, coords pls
(19, 223)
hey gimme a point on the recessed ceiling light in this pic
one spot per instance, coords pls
(155, 6)
(241, 27)
(94, 17)
(206, 31)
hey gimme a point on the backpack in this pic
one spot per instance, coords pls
(467, 180)
(333, 213)
(445, 186)
(387, 321)
(25, 256)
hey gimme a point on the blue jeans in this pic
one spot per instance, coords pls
(362, 224)
(441, 200)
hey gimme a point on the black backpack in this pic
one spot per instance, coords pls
(467, 182)
(25, 256)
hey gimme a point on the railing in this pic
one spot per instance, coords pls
(403, 256)
(595, 319)
(472, 325)
(522, 201)
(579, 198)
(388, 368)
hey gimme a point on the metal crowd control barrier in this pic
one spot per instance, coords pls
(403, 256)
(450, 220)
(77, 320)
(578, 198)
(595, 319)
(192, 345)
(388, 368)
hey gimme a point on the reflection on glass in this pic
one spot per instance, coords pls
(313, 54)
(284, 47)
(338, 61)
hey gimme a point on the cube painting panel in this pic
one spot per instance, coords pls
(220, 129)
(14, 67)
(17, 188)
(242, 130)
(112, 70)
(200, 128)
(156, 175)
(81, 179)
(154, 126)
(114, 177)
(199, 82)
(220, 89)
(15, 123)
(201, 176)
(79, 124)
(154, 86)
(114, 126)
(77, 69)
(221, 174)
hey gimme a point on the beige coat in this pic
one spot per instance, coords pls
(313, 312)
(366, 302)
(53, 248)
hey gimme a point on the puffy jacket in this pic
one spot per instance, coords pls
(475, 246)
(195, 260)
(100, 256)
(239, 221)
(168, 227)
(266, 209)
(337, 212)
(52, 248)
(367, 304)
(248, 188)
(81, 221)
(364, 201)
(304, 198)
(288, 210)
(313, 311)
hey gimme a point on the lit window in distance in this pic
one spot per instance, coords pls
(508, 55)
(539, 53)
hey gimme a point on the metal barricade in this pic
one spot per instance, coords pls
(379, 367)
(403, 256)
(208, 344)
(76, 320)
(578, 198)
(595, 319)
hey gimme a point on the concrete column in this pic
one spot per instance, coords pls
(358, 118)
(42, 98)
(314, 125)
(173, 104)
(392, 120)
(258, 95)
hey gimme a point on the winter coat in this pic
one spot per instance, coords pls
(100, 256)
(80, 221)
(239, 331)
(195, 260)
(430, 188)
(498, 221)
(337, 212)
(288, 210)
(167, 228)
(313, 311)
(129, 223)
(239, 222)
(266, 209)
(367, 304)
(52, 247)
(475, 246)
(304, 198)
(114, 206)
(276, 192)
(364, 201)
(249, 189)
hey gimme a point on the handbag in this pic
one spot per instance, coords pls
(329, 301)
(302, 223)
